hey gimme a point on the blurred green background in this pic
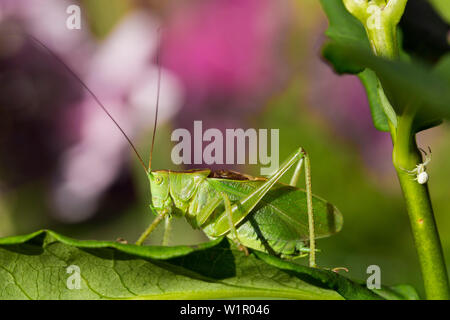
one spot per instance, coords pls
(274, 78)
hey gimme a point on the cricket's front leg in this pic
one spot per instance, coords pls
(151, 227)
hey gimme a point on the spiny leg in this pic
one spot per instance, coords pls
(312, 236)
(293, 183)
(151, 227)
(229, 214)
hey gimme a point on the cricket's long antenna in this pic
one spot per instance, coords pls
(157, 99)
(90, 92)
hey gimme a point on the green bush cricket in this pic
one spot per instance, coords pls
(262, 214)
(258, 213)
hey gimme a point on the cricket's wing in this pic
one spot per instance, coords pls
(281, 214)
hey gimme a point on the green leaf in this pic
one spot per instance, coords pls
(442, 68)
(345, 28)
(370, 81)
(406, 84)
(399, 292)
(443, 8)
(34, 266)
(341, 64)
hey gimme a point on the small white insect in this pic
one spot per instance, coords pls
(420, 170)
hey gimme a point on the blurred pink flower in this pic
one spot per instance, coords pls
(46, 20)
(225, 48)
(121, 75)
(119, 70)
(227, 55)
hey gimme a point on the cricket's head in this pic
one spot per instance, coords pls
(173, 190)
(159, 187)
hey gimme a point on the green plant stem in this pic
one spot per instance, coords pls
(405, 157)
(418, 203)
(384, 41)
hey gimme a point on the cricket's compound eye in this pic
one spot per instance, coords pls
(158, 180)
(422, 177)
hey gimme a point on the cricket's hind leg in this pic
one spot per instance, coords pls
(294, 182)
(245, 205)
